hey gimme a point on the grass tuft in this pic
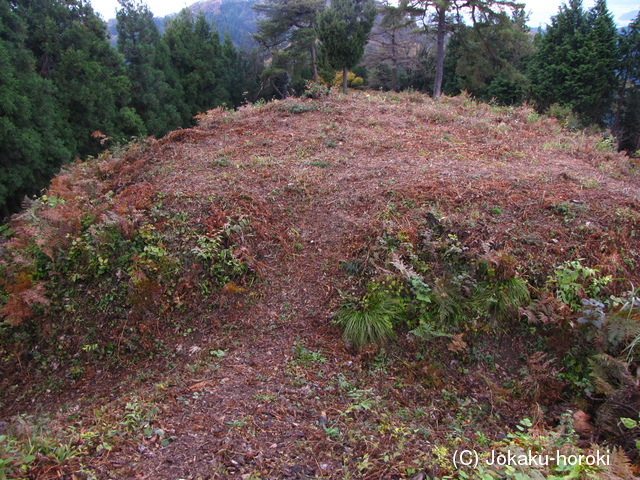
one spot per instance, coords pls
(369, 321)
(503, 298)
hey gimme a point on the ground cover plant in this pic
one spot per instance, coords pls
(344, 287)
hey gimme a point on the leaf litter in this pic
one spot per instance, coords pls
(264, 387)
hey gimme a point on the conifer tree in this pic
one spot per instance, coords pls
(560, 49)
(234, 75)
(69, 42)
(34, 139)
(596, 97)
(343, 30)
(196, 56)
(392, 45)
(287, 31)
(488, 60)
(576, 60)
(446, 15)
(157, 93)
(626, 126)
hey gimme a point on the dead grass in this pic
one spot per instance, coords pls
(320, 180)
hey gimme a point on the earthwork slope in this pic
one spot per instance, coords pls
(156, 360)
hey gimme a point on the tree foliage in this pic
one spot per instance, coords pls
(626, 126)
(575, 62)
(393, 52)
(34, 139)
(196, 56)
(286, 29)
(343, 31)
(488, 60)
(237, 67)
(157, 94)
(69, 42)
(67, 92)
(446, 15)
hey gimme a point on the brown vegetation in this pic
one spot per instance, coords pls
(252, 378)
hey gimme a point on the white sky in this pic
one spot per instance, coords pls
(540, 10)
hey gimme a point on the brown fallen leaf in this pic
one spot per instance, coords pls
(457, 344)
(200, 385)
(581, 423)
(231, 288)
(322, 420)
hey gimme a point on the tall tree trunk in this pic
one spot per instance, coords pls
(286, 85)
(314, 63)
(345, 79)
(442, 32)
(394, 63)
(621, 97)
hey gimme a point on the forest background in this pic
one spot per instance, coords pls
(72, 85)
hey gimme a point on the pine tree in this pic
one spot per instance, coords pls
(488, 60)
(446, 15)
(234, 75)
(69, 42)
(597, 94)
(575, 62)
(626, 126)
(34, 139)
(343, 30)
(196, 56)
(250, 65)
(287, 31)
(559, 51)
(392, 48)
(157, 93)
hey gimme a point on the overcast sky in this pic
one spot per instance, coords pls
(540, 10)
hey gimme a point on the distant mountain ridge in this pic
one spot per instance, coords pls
(233, 16)
(630, 16)
(206, 6)
(238, 18)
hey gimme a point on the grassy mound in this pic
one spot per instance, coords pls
(191, 292)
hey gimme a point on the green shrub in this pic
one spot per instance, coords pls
(298, 107)
(565, 116)
(449, 312)
(572, 280)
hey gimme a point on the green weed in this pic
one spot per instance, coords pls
(572, 281)
(306, 358)
(298, 107)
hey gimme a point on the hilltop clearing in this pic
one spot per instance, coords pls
(169, 307)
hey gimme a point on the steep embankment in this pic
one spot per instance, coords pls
(185, 288)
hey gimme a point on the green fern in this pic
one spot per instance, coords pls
(449, 305)
(621, 330)
(609, 373)
(426, 331)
